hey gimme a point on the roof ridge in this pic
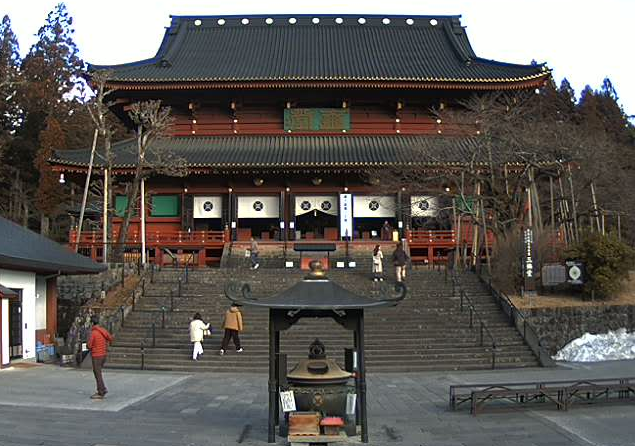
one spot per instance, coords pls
(305, 15)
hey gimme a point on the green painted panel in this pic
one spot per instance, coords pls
(121, 203)
(317, 119)
(166, 206)
(465, 204)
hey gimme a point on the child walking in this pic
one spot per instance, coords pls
(233, 324)
(197, 333)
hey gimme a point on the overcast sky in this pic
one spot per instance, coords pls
(584, 40)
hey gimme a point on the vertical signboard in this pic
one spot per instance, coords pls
(528, 264)
(346, 215)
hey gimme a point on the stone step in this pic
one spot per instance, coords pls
(426, 331)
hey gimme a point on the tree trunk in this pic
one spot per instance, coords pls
(110, 214)
(45, 225)
(133, 194)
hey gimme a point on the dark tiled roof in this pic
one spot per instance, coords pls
(301, 151)
(6, 292)
(198, 49)
(22, 249)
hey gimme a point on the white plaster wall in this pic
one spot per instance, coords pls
(40, 303)
(26, 282)
(5, 330)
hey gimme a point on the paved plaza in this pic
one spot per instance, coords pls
(48, 405)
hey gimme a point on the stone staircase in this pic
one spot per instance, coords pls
(426, 331)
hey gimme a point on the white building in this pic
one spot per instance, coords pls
(29, 266)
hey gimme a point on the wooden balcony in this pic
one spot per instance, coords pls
(194, 247)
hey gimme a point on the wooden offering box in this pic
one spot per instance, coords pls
(304, 423)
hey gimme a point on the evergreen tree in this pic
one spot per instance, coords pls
(10, 119)
(51, 71)
(49, 194)
(9, 81)
(52, 67)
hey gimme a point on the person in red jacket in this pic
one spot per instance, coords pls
(98, 345)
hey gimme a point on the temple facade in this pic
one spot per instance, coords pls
(284, 123)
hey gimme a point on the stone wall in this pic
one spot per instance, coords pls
(75, 291)
(556, 327)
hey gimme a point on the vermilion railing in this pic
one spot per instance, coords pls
(156, 238)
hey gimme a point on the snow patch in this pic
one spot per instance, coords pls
(614, 345)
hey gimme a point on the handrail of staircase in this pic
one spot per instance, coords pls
(150, 336)
(473, 312)
(518, 319)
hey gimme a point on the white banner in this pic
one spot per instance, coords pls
(346, 215)
(374, 206)
(259, 207)
(322, 203)
(208, 207)
(424, 206)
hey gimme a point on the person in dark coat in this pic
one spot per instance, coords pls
(386, 231)
(98, 346)
(400, 259)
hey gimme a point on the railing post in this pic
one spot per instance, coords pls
(133, 300)
(186, 272)
(163, 317)
(152, 272)
(121, 309)
(471, 316)
(171, 300)
(143, 357)
(143, 287)
(493, 355)
(154, 335)
(179, 294)
(481, 333)
(123, 274)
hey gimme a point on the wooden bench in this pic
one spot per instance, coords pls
(589, 392)
(537, 395)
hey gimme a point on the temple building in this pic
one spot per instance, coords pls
(279, 120)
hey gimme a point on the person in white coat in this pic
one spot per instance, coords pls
(378, 267)
(197, 332)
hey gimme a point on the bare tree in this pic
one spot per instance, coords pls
(152, 155)
(100, 113)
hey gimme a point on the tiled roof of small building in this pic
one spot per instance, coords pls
(350, 48)
(302, 151)
(22, 249)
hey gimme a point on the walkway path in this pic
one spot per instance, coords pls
(49, 406)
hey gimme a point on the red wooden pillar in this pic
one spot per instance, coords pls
(51, 307)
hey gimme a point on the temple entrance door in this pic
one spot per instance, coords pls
(15, 328)
(258, 217)
(374, 217)
(316, 225)
(424, 210)
(316, 217)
